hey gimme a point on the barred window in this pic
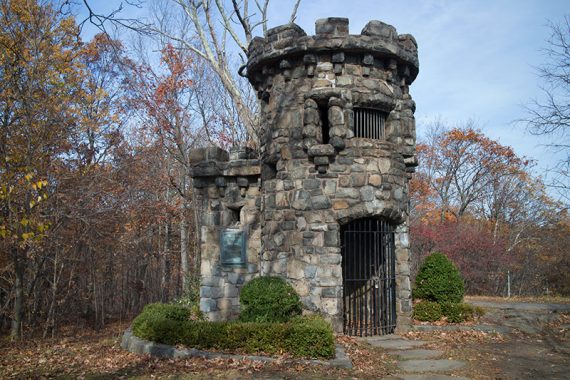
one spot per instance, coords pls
(369, 123)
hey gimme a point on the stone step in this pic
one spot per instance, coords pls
(395, 343)
(426, 376)
(430, 365)
(416, 354)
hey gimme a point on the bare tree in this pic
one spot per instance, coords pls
(215, 25)
(551, 115)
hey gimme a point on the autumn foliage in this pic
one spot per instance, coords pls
(477, 202)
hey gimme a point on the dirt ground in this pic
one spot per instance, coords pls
(537, 346)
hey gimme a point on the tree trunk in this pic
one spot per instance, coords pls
(16, 330)
(184, 252)
(184, 233)
(50, 322)
(164, 265)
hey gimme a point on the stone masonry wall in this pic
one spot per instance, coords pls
(226, 189)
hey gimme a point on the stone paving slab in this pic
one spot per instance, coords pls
(482, 328)
(430, 365)
(395, 343)
(429, 376)
(416, 354)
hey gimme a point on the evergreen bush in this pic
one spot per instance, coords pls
(268, 299)
(439, 280)
(457, 312)
(427, 311)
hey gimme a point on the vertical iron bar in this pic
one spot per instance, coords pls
(345, 293)
(359, 276)
(375, 124)
(360, 124)
(358, 113)
(354, 288)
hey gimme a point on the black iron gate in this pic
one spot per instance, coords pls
(369, 277)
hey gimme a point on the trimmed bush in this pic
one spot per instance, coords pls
(311, 336)
(302, 337)
(427, 311)
(439, 280)
(268, 299)
(168, 311)
(457, 312)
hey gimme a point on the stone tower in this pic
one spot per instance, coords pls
(326, 205)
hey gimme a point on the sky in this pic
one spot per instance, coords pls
(478, 58)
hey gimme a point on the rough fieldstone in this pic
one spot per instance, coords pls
(337, 57)
(339, 204)
(311, 116)
(348, 192)
(330, 187)
(321, 160)
(367, 193)
(321, 150)
(208, 305)
(380, 29)
(331, 238)
(309, 184)
(301, 199)
(332, 26)
(320, 202)
(336, 115)
(337, 142)
(310, 271)
(375, 180)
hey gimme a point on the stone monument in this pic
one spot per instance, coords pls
(325, 203)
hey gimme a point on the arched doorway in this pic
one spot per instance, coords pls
(369, 277)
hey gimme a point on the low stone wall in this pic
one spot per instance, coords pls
(136, 345)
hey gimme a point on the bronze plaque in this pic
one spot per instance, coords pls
(232, 246)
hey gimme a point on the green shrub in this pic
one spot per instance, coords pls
(427, 311)
(168, 311)
(438, 280)
(302, 336)
(268, 299)
(150, 320)
(311, 336)
(190, 298)
(457, 312)
(479, 311)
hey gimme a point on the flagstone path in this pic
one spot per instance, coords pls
(417, 363)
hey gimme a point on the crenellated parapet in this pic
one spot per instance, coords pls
(377, 46)
(332, 73)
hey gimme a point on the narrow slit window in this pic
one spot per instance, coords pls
(369, 123)
(324, 114)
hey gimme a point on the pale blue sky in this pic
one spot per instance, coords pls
(477, 57)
